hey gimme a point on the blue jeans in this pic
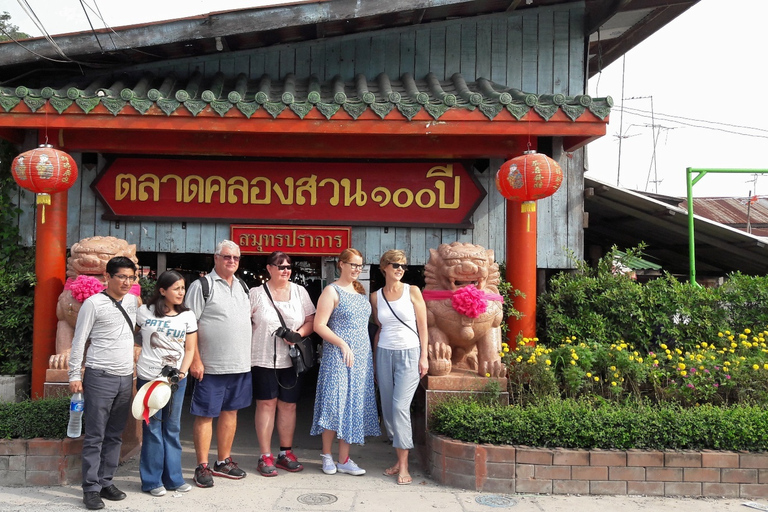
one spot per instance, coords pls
(160, 463)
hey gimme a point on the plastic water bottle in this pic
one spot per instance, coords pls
(75, 415)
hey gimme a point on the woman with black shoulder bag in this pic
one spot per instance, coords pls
(276, 385)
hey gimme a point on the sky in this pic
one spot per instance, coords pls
(694, 92)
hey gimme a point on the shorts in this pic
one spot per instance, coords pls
(216, 393)
(267, 387)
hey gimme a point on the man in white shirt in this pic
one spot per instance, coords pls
(108, 319)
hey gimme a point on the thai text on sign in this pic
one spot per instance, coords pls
(295, 240)
(358, 193)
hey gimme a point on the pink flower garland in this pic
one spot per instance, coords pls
(467, 300)
(83, 287)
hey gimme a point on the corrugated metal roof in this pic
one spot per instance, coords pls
(747, 214)
(222, 93)
(626, 218)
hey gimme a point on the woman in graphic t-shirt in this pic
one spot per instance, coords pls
(169, 337)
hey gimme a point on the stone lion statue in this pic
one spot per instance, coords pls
(464, 310)
(88, 257)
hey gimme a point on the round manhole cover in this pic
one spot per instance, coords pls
(317, 499)
(496, 500)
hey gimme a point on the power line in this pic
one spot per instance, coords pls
(675, 119)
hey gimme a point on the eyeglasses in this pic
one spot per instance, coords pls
(124, 278)
(399, 265)
(355, 266)
(282, 267)
(229, 257)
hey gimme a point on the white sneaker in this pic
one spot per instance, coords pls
(158, 491)
(350, 468)
(329, 468)
(185, 487)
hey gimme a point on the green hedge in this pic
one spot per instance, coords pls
(47, 417)
(596, 423)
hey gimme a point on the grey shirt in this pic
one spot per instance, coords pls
(224, 325)
(112, 341)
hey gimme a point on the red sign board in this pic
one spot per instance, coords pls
(294, 240)
(287, 192)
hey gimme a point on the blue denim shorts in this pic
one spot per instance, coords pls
(216, 393)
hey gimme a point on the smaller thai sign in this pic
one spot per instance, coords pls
(293, 240)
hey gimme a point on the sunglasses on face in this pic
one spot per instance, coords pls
(229, 257)
(399, 265)
(282, 267)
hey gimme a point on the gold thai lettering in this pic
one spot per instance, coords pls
(381, 195)
(153, 183)
(446, 171)
(425, 204)
(233, 187)
(179, 182)
(442, 192)
(359, 196)
(215, 184)
(339, 240)
(256, 190)
(396, 198)
(125, 185)
(320, 240)
(334, 200)
(285, 198)
(306, 186)
(194, 185)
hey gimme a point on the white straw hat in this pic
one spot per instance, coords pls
(150, 398)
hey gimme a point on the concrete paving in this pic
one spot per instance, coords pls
(311, 490)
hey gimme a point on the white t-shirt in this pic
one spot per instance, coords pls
(265, 321)
(162, 340)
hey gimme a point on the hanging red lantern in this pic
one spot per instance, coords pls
(44, 171)
(529, 177)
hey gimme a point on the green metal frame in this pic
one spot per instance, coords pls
(700, 173)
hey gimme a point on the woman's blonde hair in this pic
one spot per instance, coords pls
(345, 257)
(392, 256)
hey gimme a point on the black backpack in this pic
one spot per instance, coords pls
(206, 287)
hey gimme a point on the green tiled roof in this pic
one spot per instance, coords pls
(223, 93)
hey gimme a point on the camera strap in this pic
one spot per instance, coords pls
(117, 304)
(274, 338)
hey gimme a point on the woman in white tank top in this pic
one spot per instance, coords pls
(401, 355)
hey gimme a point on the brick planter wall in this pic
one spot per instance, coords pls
(520, 469)
(40, 461)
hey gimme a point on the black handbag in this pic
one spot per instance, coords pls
(302, 350)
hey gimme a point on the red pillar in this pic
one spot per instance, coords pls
(521, 266)
(51, 270)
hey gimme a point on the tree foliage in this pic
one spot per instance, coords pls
(8, 30)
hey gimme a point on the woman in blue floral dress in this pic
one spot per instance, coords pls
(345, 404)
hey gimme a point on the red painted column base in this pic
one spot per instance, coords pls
(521, 267)
(51, 270)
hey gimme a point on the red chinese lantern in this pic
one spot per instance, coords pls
(529, 177)
(44, 171)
